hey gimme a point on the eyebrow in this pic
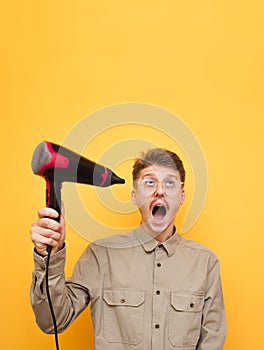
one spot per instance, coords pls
(156, 175)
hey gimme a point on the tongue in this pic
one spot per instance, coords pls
(159, 211)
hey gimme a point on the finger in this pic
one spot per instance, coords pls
(41, 249)
(50, 234)
(62, 220)
(49, 224)
(41, 238)
(47, 212)
(38, 232)
(62, 208)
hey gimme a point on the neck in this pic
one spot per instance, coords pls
(163, 236)
(160, 236)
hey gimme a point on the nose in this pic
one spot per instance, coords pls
(159, 189)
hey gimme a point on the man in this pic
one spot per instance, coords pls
(150, 289)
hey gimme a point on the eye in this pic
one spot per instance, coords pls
(149, 182)
(170, 183)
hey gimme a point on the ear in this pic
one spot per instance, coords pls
(183, 195)
(133, 196)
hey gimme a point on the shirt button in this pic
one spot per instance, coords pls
(192, 305)
(157, 326)
(158, 292)
(159, 264)
(122, 301)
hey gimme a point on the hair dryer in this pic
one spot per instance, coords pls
(58, 164)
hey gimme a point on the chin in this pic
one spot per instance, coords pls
(155, 228)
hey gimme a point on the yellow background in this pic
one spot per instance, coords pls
(202, 60)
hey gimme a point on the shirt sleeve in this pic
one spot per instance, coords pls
(69, 297)
(213, 330)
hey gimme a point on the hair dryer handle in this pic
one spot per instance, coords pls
(53, 199)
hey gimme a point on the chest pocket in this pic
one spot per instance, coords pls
(185, 318)
(123, 312)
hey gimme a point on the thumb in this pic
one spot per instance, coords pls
(62, 220)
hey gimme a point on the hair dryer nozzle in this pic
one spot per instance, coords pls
(116, 179)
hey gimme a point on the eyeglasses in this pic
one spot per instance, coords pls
(150, 185)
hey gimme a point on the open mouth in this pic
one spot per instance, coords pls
(159, 211)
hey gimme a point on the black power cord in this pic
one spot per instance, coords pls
(49, 299)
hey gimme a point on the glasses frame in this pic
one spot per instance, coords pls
(152, 188)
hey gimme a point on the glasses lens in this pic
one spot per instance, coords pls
(149, 185)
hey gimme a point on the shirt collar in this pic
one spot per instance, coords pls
(149, 243)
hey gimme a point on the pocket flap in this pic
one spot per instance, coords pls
(124, 297)
(188, 302)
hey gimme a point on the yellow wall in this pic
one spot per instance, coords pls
(201, 60)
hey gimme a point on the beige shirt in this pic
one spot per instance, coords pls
(144, 295)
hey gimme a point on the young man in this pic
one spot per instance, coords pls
(150, 289)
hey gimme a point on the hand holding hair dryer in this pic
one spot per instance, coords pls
(58, 164)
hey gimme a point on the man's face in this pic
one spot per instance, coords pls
(158, 193)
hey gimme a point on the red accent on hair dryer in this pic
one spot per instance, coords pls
(58, 164)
